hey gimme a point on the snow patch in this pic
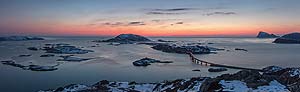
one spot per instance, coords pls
(239, 86)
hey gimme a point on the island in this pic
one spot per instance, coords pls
(20, 38)
(291, 38)
(262, 34)
(126, 39)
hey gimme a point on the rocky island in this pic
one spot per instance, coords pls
(126, 39)
(292, 38)
(265, 35)
(20, 38)
(64, 49)
(147, 61)
(31, 67)
(195, 49)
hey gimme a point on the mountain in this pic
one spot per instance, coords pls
(265, 35)
(127, 38)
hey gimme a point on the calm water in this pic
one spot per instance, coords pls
(114, 63)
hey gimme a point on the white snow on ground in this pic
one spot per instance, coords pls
(239, 86)
(295, 72)
(234, 86)
(76, 87)
(142, 87)
(72, 88)
(274, 86)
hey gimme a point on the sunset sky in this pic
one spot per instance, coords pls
(148, 17)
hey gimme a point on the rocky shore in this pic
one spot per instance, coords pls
(271, 79)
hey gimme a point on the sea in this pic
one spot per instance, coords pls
(114, 63)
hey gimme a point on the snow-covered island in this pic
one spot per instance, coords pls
(19, 38)
(64, 49)
(271, 79)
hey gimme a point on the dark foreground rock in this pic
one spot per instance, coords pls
(195, 49)
(266, 35)
(292, 38)
(283, 79)
(126, 38)
(20, 38)
(179, 85)
(147, 61)
(272, 79)
(64, 49)
(30, 67)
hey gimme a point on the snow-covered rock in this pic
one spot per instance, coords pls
(239, 86)
(272, 69)
(179, 85)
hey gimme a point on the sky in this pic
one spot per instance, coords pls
(148, 17)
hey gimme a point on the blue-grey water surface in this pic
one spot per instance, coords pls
(114, 63)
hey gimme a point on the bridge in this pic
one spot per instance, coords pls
(206, 63)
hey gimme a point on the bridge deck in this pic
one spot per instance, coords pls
(198, 61)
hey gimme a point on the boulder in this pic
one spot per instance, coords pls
(292, 38)
(265, 35)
